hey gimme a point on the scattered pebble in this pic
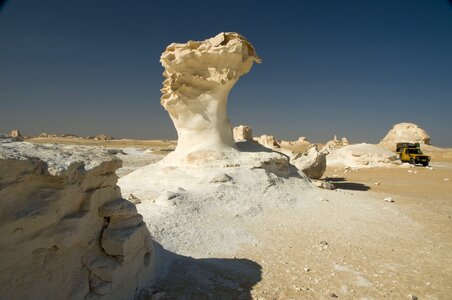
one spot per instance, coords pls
(446, 179)
(323, 199)
(413, 297)
(323, 245)
(377, 183)
(333, 295)
(410, 171)
(389, 199)
(307, 269)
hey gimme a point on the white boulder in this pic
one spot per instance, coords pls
(311, 162)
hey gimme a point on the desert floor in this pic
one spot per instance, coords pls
(347, 243)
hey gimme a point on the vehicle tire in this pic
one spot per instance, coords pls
(412, 161)
(425, 164)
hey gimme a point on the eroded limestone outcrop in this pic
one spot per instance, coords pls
(312, 162)
(65, 231)
(198, 78)
(406, 132)
(243, 133)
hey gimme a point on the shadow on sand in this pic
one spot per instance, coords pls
(183, 277)
(342, 183)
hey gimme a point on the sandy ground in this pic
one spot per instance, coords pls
(348, 243)
(368, 256)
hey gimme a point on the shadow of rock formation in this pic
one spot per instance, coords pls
(205, 278)
(342, 183)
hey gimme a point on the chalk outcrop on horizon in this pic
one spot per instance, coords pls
(198, 78)
(65, 231)
(406, 132)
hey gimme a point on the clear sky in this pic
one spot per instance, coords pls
(351, 68)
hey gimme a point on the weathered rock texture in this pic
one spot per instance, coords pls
(406, 132)
(199, 76)
(311, 162)
(65, 231)
(243, 133)
(268, 141)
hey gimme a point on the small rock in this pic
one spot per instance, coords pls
(323, 245)
(446, 179)
(132, 198)
(321, 199)
(410, 171)
(221, 178)
(307, 269)
(389, 199)
(333, 295)
(377, 183)
(412, 297)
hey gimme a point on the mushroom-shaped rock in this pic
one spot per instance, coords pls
(198, 78)
(406, 132)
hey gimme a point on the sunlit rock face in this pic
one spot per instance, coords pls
(406, 132)
(199, 76)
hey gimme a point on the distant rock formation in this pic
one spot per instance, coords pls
(243, 133)
(406, 132)
(198, 78)
(103, 137)
(65, 231)
(16, 135)
(267, 141)
(335, 143)
(362, 156)
(311, 162)
(301, 142)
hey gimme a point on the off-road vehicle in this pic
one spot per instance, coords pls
(411, 152)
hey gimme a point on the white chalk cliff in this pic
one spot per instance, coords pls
(65, 231)
(198, 78)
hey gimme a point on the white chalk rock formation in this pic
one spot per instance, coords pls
(362, 156)
(301, 142)
(336, 143)
(268, 141)
(311, 162)
(406, 132)
(65, 231)
(243, 133)
(199, 76)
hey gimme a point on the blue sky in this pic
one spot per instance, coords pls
(351, 68)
